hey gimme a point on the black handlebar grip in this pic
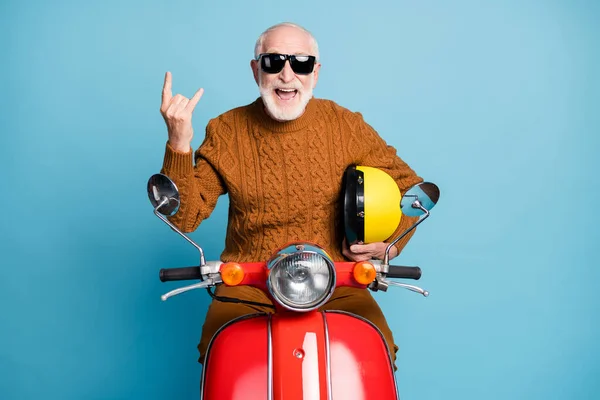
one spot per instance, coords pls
(179, 274)
(404, 272)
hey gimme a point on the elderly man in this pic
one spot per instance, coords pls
(281, 160)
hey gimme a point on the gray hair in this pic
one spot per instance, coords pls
(261, 38)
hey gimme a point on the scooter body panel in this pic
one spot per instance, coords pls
(236, 365)
(299, 356)
(361, 367)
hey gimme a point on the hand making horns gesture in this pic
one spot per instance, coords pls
(177, 111)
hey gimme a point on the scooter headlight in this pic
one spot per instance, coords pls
(302, 277)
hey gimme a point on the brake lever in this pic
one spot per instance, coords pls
(413, 288)
(209, 282)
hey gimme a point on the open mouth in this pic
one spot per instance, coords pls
(286, 94)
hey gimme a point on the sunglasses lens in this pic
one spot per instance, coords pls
(272, 63)
(303, 64)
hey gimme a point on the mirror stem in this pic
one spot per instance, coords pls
(164, 201)
(386, 259)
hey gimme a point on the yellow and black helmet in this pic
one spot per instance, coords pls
(371, 205)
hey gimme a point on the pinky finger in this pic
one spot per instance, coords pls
(195, 99)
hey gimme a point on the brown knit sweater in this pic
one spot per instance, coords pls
(283, 179)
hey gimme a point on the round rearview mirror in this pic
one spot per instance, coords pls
(161, 188)
(426, 193)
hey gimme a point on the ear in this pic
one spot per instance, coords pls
(254, 66)
(316, 73)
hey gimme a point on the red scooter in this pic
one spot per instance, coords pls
(297, 352)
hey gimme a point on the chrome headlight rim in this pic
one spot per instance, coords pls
(281, 299)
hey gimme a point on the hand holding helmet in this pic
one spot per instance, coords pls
(365, 252)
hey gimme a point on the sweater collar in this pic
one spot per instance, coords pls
(288, 126)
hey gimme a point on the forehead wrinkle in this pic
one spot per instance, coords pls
(296, 53)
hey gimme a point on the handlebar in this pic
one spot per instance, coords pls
(190, 273)
(180, 274)
(396, 271)
(256, 276)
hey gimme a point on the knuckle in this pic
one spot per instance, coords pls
(181, 114)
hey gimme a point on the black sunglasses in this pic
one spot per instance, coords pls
(273, 63)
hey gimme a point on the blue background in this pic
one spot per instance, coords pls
(497, 102)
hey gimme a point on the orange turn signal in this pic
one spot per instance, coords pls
(364, 272)
(232, 274)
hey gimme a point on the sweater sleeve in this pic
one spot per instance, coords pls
(375, 152)
(199, 186)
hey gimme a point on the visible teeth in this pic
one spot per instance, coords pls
(288, 90)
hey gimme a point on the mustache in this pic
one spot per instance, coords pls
(275, 86)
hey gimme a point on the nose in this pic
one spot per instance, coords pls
(287, 74)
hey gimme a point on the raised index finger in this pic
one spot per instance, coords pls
(166, 93)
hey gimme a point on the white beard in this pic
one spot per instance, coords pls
(267, 93)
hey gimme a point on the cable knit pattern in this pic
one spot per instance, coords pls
(283, 179)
